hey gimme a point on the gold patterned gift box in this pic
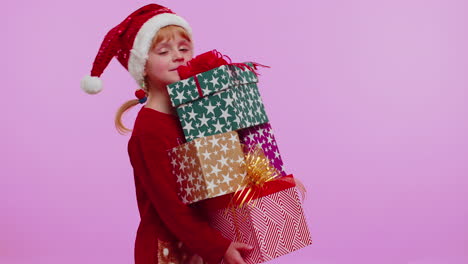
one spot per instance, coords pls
(208, 167)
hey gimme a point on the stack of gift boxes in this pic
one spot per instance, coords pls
(223, 117)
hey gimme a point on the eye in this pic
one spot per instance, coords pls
(162, 53)
(184, 49)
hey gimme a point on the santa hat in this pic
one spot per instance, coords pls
(130, 42)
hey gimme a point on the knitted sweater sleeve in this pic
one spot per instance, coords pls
(151, 164)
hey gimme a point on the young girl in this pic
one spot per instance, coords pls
(151, 43)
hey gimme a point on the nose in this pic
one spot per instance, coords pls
(178, 56)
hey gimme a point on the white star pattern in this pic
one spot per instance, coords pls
(242, 79)
(226, 179)
(251, 137)
(240, 159)
(250, 113)
(206, 91)
(214, 141)
(233, 138)
(203, 120)
(193, 115)
(277, 154)
(223, 160)
(214, 81)
(228, 101)
(218, 127)
(267, 142)
(190, 177)
(210, 108)
(187, 147)
(236, 120)
(185, 82)
(225, 114)
(259, 113)
(260, 131)
(188, 190)
(215, 170)
(224, 148)
(206, 155)
(188, 126)
(211, 185)
(180, 96)
(198, 143)
(179, 178)
(270, 139)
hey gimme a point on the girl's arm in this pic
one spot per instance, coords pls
(152, 166)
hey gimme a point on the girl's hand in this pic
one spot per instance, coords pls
(195, 259)
(233, 254)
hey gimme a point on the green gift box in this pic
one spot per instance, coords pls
(217, 101)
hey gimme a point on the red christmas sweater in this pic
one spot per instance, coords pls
(169, 229)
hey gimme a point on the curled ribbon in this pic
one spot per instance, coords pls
(258, 172)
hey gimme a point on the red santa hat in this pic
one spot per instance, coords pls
(130, 42)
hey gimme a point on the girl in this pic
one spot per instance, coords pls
(151, 43)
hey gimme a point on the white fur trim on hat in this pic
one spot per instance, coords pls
(91, 84)
(144, 39)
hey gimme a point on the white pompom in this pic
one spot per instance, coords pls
(91, 84)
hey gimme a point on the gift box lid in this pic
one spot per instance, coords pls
(209, 82)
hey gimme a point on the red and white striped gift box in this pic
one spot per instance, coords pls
(274, 226)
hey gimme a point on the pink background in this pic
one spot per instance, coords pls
(367, 99)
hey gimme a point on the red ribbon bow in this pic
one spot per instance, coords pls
(208, 61)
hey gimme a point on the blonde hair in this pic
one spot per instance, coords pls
(165, 33)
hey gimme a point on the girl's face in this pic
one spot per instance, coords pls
(165, 57)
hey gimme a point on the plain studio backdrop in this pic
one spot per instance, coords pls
(367, 100)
